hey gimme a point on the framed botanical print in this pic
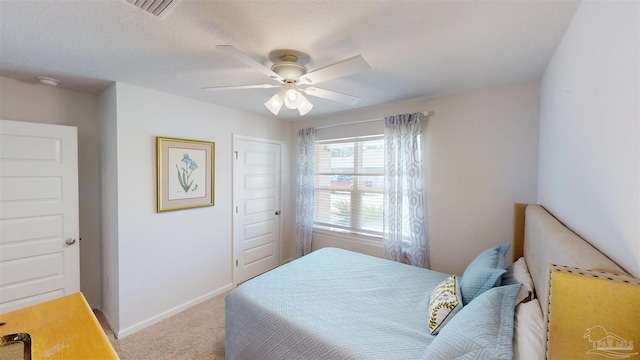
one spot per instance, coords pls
(185, 173)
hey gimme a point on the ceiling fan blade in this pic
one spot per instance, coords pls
(248, 60)
(347, 67)
(332, 95)
(239, 87)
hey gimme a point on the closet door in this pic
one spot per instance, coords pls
(256, 197)
(39, 249)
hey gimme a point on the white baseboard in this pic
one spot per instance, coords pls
(156, 319)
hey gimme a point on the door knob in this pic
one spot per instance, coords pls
(71, 241)
(278, 212)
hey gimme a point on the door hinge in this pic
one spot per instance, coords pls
(236, 154)
(236, 209)
(236, 262)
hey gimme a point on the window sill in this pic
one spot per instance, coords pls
(361, 238)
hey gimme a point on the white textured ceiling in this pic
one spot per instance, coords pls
(416, 48)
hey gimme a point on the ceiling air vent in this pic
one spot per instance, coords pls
(157, 8)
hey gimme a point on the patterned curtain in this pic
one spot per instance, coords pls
(405, 228)
(304, 191)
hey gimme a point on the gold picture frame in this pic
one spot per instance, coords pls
(185, 173)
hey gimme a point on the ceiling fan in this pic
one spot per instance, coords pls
(293, 77)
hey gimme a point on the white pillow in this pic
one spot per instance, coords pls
(518, 273)
(529, 332)
(444, 302)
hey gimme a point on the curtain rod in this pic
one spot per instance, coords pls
(425, 113)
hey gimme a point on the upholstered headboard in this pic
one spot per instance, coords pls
(543, 240)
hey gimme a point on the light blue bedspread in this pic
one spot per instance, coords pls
(331, 304)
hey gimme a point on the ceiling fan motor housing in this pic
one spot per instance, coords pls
(289, 69)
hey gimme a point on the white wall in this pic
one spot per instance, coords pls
(482, 153)
(589, 129)
(109, 204)
(33, 102)
(480, 158)
(169, 261)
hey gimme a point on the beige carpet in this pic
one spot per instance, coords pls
(196, 333)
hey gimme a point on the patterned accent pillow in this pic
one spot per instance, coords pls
(445, 301)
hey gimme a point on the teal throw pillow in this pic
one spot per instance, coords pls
(483, 273)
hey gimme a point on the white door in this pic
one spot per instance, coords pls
(256, 198)
(39, 250)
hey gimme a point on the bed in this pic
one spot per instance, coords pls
(336, 304)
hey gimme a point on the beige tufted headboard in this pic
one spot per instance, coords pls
(543, 240)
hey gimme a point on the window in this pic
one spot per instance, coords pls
(349, 184)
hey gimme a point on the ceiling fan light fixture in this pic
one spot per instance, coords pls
(274, 104)
(292, 98)
(305, 106)
(292, 95)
